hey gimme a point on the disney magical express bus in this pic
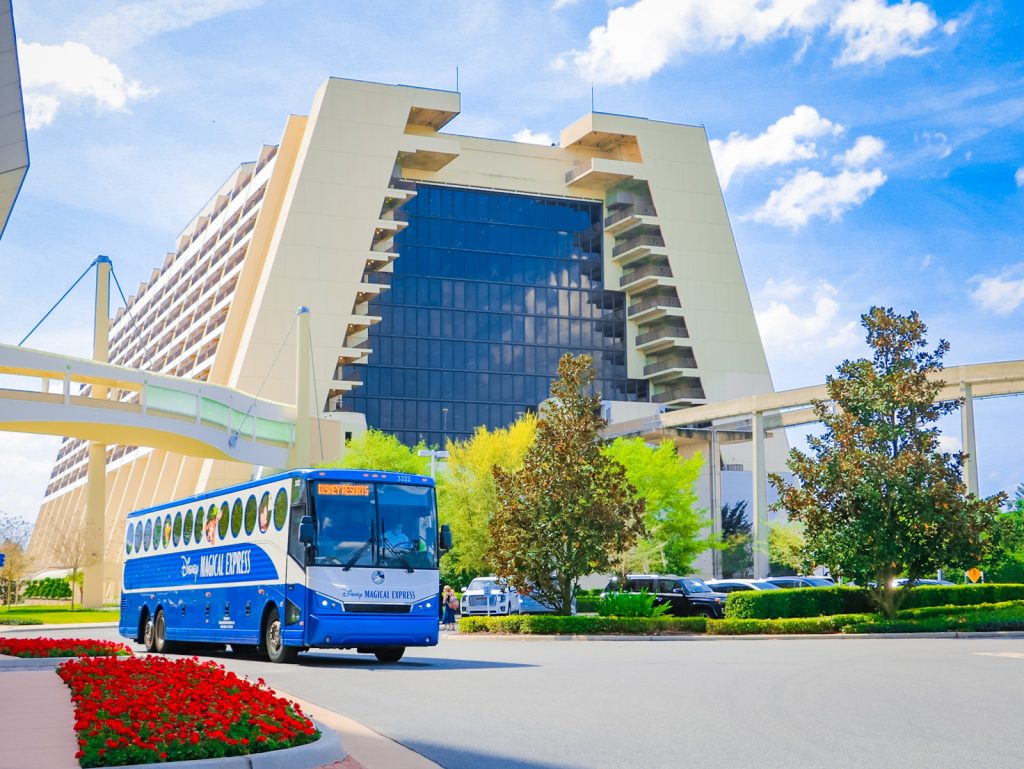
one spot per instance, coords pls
(300, 560)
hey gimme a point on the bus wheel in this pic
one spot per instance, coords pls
(160, 643)
(273, 643)
(147, 633)
(389, 653)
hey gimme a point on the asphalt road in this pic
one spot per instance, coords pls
(781, 703)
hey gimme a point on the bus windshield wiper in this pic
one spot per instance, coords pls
(398, 555)
(358, 555)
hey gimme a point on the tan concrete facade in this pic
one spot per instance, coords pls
(312, 219)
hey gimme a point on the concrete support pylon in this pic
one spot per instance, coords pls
(968, 441)
(715, 478)
(301, 454)
(94, 529)
(759, 496)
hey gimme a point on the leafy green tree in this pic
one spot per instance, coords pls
(468, 494)
(666, 485)
(570, 509)
(877, 497)
(376, 450)
(786, 549)
(14, 537)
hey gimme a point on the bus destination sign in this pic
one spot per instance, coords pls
(343, 489)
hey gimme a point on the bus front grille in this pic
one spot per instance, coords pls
(378, 608)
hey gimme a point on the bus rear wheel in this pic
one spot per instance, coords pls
(274, 643)
(389, 653)
(160, 643)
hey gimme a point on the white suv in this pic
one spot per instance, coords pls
(489, 595)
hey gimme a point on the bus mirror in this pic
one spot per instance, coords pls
(306, 535)
(446, 538)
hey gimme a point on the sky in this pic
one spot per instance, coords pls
(870, 152)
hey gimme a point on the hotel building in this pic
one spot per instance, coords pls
(445, 276)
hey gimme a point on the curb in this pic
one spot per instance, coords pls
(326, 750)
(750, 637)
(69, 626)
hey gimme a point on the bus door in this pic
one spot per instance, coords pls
(295, 593)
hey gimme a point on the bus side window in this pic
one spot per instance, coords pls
(298, 509)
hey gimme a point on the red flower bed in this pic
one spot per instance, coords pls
(150, 709)
(61, 647)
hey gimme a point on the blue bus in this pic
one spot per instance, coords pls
(307, 559)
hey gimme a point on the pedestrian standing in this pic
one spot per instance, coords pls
(450, 601)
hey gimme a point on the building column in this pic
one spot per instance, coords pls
(301, 455)
(967, 440)
(715, 477)
(94, 530)
(759, 514)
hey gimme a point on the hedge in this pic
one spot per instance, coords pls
(786, 626)
(550, 624)
(50, 587)
(830, 601)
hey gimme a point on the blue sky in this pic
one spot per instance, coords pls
(871, 152)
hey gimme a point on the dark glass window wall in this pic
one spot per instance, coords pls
(489, 290)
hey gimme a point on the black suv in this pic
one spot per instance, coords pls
(685, 596)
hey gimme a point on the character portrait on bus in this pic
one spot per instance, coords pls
(264, 517)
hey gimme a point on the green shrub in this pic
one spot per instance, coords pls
(828, 601)
(550, 624)
(629, 605)
(1007, 615)
(786, 626)
(796, 602)
(50, 587)
(19, 621)
(586, 604)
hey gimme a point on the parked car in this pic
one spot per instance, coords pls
(685, 596)
(530, 605)
(903, 581)
(489, 595)
(810, 581)
(733, 585)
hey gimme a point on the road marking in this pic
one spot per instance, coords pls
(1014, 655)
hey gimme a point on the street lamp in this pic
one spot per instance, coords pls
(434, 455)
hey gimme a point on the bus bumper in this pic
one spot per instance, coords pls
(352, 630)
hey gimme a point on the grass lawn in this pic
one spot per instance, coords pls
(57, 615)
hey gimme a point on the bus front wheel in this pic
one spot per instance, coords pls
(389, 653)
(273, 643)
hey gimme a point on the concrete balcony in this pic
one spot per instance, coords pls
(638, 246)
(690, 391)
(620, 222)
(661, 336)
(674, 363)
(645, 277)
(602, 173)
(427, 153)
(652, 307)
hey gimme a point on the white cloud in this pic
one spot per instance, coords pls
(949, 444)
(638, 40)
(1019, 177)
(560, 4)
(1002, 293)
(875, 31)
(797, 318)
(809, 194)
(128, 25)
(529, 137)
(788, 139)
(936, 144)
(54, 75)
(863, 151)
(25, 465)
(926, 262)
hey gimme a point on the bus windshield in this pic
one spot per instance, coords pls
(374, 524)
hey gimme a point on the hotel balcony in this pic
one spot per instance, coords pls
(602, 173)
(675, 362)
(644, 277)
(638, 246)
(651, 307)
(427, 153)
(663, 335)
(621, 221)
(689, 390)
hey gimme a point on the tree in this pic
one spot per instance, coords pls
(468, 495)
(376, 450)
(14, 536)
(786, 549)
(876, 496)
(570, 509)
(666, 485)
(70, 551)
(737, 545)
